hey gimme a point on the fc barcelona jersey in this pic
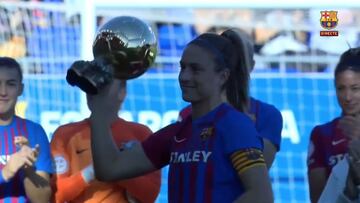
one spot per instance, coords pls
(267, 118)
(198, 153)
(13, 191)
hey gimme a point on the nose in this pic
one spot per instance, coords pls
(184, 75)
(348, 95)
(3, 90)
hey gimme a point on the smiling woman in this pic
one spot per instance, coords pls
(24, 174)
(215, 154)
(10, 88)
(347, 82)
(330, 142)
(201, 81)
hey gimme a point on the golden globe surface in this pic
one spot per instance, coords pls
(129, 44)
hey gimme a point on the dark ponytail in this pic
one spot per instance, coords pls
(349, 60)
(231, 51)
(237, 88)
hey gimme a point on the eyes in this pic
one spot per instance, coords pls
(10, 83)
(353, 88)
(193, 67)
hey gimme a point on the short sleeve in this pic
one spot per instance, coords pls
(44, 161)
(316, 157)
(238, 132)
(142, 132)
(271, 125)
(157, 147)
(59, 154)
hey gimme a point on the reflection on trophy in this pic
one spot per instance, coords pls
(124, 48)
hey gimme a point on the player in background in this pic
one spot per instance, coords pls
(25, 159)
(329, 142)
(267, 118)
(214, 155)
(74, 180)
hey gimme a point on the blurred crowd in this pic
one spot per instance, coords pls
(49, 41)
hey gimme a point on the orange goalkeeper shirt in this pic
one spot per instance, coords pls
(71, 150)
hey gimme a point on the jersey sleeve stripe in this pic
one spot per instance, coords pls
(247, 163)
(245, 152)
(248, 158)
(251, 166)
(242, 158)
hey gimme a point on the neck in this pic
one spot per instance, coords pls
(113, 118)
(200, 109)
(5, 119)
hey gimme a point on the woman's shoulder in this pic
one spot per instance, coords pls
(231, 118)
(26, 123)
(326, 128)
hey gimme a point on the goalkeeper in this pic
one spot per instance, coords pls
(74, 179)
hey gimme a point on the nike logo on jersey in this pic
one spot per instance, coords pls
(338, 141)
(79, 151)
(195, 156)
(177, 140)
(207, 133)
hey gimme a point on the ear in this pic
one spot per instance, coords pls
(224, 76)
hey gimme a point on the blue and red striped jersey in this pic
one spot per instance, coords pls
(13, 191)
(268, 121)
(267, 118)
(198, 153)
